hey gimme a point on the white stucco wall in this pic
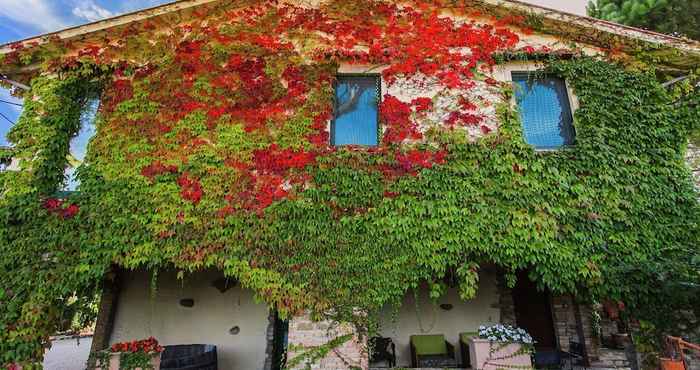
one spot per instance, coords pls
(429, 318)
(208, 322)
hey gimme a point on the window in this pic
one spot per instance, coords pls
(356, 111)
(79, 144)
(545, 110)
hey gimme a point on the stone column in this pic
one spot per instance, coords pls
(506, 303)
(310, 339)
(270, 337)
(572, 323)
(106, 313)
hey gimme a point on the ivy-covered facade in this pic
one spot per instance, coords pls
(334, 158)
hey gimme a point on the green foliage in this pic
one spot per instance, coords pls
(613, 216)
(676, 17)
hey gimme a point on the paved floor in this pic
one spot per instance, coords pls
(68, 354)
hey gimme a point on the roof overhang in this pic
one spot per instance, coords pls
(676, 53)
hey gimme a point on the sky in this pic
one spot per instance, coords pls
(20, 19)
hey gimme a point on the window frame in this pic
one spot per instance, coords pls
(571, 97)
(378, 89)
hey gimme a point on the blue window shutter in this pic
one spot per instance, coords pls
(356, 111)
(545, 110)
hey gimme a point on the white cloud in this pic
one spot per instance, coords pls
(132, 5)
(7, 97)
(36, 13)
(88, 10)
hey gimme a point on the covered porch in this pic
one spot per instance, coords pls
(410, 336)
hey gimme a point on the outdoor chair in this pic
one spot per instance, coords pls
(547, 359)
(383, 350)
(189, 357)
(464, 347)
(432, 351)
(574, 355)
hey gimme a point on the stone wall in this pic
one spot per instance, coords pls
(612, 359)
(306, 335)
(572, 323)
(106, 313)
(505, 303)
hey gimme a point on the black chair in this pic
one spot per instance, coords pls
(575, 355)
(547, 359)
(383, 350)
(189, 357)
(464, 339)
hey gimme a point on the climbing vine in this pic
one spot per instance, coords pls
(212, 151)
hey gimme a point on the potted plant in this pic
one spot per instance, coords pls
(135, 355)
(501, 346)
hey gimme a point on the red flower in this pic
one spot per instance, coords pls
(396, 116)
(52, 204)
(70, 211)
(149, 345)
(464, 119)
(422, 104)
(273, 160)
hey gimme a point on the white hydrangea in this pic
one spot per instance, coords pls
(504, 333)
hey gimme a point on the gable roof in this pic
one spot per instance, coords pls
(678, 53)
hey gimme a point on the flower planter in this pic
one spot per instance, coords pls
(115, 358)
(671, 364)
(488, 355)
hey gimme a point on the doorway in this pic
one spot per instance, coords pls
(533, 312)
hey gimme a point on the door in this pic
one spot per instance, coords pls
(533, 313)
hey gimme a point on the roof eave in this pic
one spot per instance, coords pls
(588, 28)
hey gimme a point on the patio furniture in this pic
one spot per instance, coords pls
(464, 347)
(189, 357)
(432, 351)
(383, 350)
(574, 355)
(557, 359)
(548, 359)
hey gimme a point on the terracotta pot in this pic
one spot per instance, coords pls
(487, 355)
(114, 359)
(671, 364)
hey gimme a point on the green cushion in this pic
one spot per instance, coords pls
(429, 344)
(464, 337)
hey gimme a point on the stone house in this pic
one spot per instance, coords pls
(208, 307)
